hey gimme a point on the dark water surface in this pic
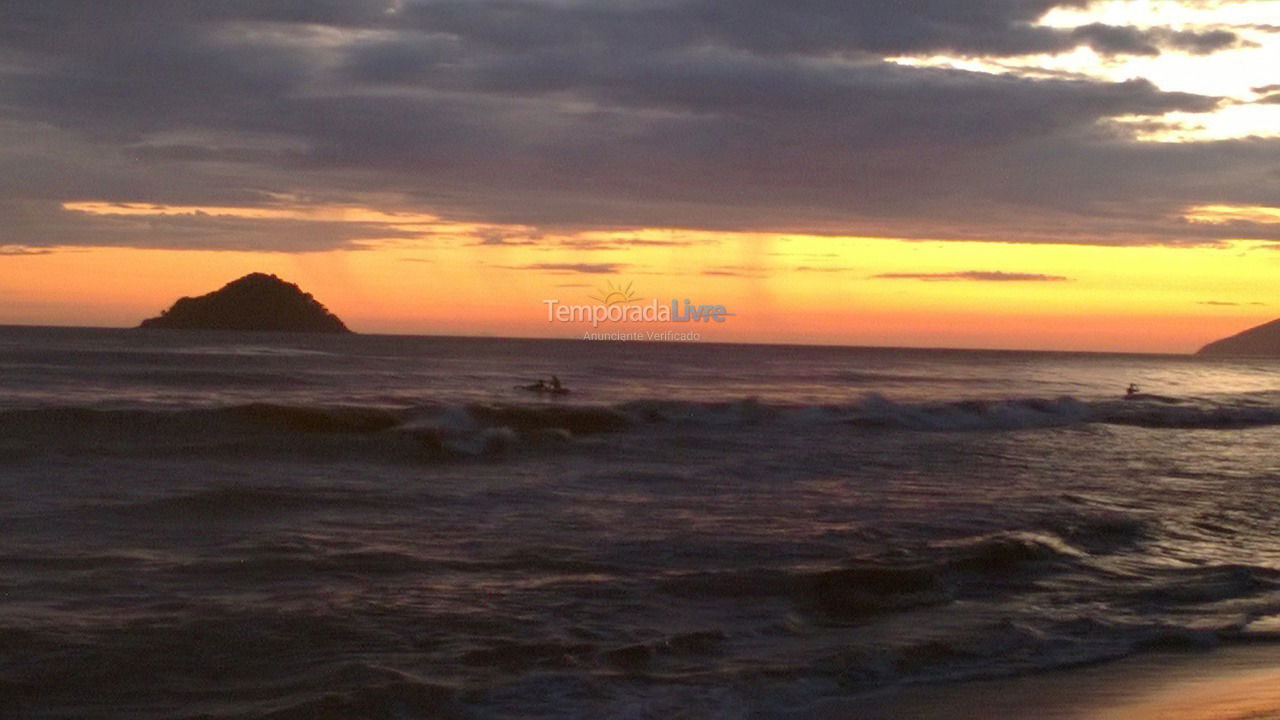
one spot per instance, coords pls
(244, 526)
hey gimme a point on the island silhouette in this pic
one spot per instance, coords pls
(255, 302)
(1263, 339)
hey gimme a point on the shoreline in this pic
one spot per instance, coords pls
(1240, 682)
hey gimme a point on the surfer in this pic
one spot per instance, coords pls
(555, 383)
(1132, 389)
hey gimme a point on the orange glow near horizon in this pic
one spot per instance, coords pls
(782, 288)
(1231, 213)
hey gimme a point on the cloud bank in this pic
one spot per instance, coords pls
(571, 115)
(974, 276)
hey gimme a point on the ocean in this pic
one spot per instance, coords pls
(233, 525)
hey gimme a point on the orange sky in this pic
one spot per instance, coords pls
(1120, 133)
(782, 288)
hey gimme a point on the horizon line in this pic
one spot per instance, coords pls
(4, 326)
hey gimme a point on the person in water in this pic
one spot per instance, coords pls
(543, 386)
(1132, 389)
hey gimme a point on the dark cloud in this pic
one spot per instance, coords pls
(974, 276)
(567, 114)
(504, 238)
(1269, 99)
(21, 250)
(589, 245)
(1225, 303)
(1124, 40)
(812, 27)
(643, 242)
(1199, 42)
(734, 271)
(564, 268)
(31, 224)
(1114, 40)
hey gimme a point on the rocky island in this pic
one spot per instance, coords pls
(254, 302)
(1261, 340)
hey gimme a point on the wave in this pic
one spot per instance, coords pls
(185, 377)
(1016, 414)
(933, 575)
(380, 563)
(1208, 584)
(1161, 414)
(233, 500)
(250, 657)
(389, 699)
(480, 429)
(1192, 608)
(875, 411)
(70, 563)
(312, 419)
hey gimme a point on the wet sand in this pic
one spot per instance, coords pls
(1237, 683)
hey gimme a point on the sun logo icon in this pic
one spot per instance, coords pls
(612, 294)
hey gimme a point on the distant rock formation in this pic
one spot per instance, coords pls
(1261, 340)
(254, 302)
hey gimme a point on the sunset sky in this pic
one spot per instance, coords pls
(1050, 174)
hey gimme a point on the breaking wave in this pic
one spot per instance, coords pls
(934, 575)
(487, 429)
